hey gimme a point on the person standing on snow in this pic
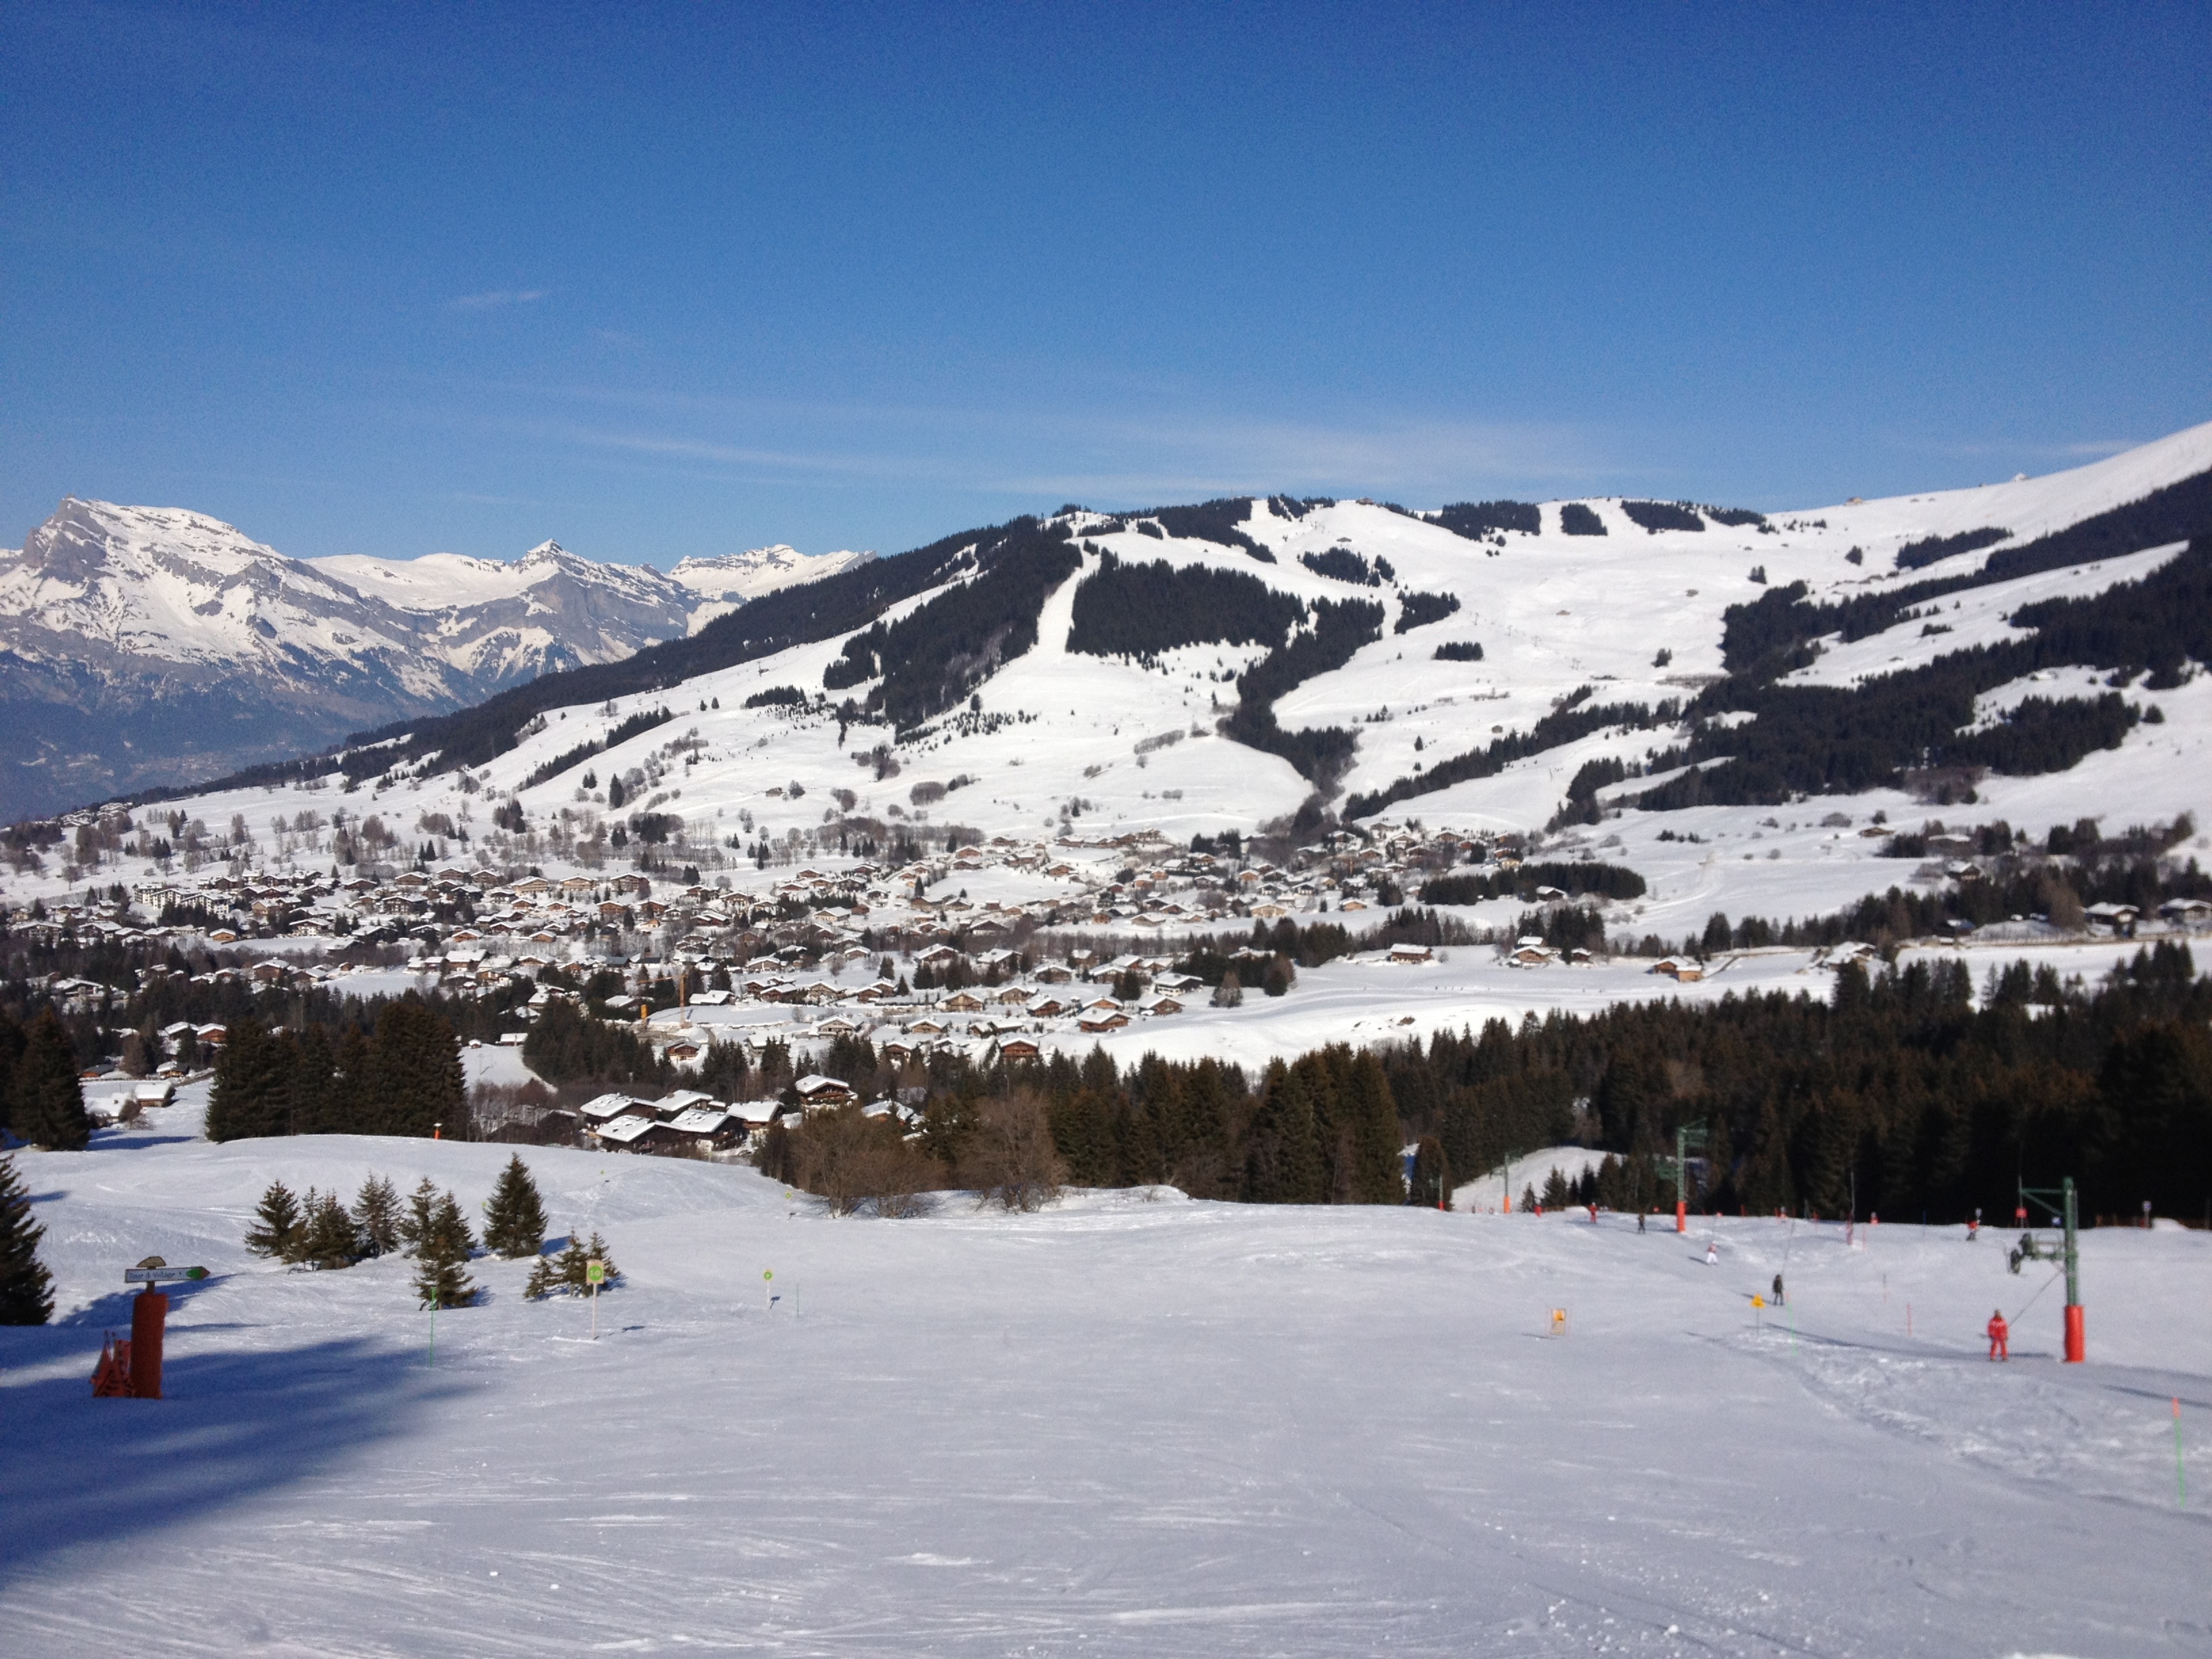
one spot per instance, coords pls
(1712, 1254)
(1777, 1290)
(2000, 1336)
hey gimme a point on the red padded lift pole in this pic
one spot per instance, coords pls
(149, 1312)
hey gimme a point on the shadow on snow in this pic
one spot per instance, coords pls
(79, 1471)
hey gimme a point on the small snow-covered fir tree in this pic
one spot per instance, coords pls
(26, 1290)
(515, 1217)
(276, 1222)
(442, 1279)
(376, 1216)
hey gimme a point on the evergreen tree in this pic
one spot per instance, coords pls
(277, 1220)
(26, 1290)
(1529, 1201)
(376, 1216)
(442, 1279)
(563, 1274)
(1371, 1118)
(414, 1073)
(515, 1217)
(327, 1235)
(251, 1094)
(1556, 1195)
(422, 1210)
(1282, 1164)
(48, 1107)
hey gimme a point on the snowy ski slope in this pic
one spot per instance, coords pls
(1131, 1424)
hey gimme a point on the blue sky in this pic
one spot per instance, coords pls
(669, 281)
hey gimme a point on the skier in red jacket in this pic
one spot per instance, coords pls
(2000, 1336)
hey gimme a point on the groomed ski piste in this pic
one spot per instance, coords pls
(1128, 1423)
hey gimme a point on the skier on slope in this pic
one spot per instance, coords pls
(1777, 1290)
(1712, 1254)
(2000, 1336)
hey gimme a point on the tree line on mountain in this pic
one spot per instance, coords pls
(1831, 739)
(1578, 519)
(1418, 609)
(1342, 564)
(1218, 521)
(1655, 516)
(1927, 550)
(644, 720)
(1140, 610)
(1575, 716)
(934, 657)
(1769, 636)
(1478, 520)
(1339, 627)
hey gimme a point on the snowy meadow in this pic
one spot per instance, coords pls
(1130, 1423)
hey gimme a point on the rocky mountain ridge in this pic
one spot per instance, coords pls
(141, 647)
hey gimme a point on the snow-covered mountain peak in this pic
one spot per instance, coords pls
(762, 570)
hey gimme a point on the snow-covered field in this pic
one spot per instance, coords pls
(1131, 1424)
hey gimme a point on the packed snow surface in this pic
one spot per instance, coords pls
(1130, 1424)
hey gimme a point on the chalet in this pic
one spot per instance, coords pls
(624, 1132)
(1685, 970)
(1016, 1048)
(1530, 956)
(817, 1091)
(1412, 953)
(1101, 1020)
(962, 1002)
(707, 1127)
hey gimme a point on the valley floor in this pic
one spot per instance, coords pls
(1131, 1424)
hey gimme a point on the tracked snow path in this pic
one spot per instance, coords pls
(1122, 1426)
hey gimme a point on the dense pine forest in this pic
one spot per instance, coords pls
(1899, 1088)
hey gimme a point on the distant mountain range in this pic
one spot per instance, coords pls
(148, 646)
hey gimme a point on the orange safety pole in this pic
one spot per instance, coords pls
(149, 1311)
(1681, 1216)
(2077, 1338)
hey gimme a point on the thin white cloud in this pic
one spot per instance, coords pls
(2080, 450)
(496, 297)
(1122, 460)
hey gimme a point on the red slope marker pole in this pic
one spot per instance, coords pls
(2180, 1480)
